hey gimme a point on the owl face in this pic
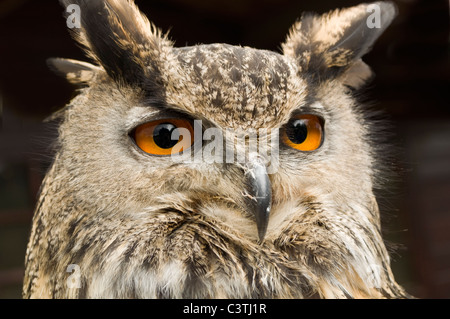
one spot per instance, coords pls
(159, 178)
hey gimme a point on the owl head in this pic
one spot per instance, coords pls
(158, 189)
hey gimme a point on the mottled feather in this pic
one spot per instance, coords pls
(142, 226)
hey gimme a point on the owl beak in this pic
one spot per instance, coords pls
(260, 196)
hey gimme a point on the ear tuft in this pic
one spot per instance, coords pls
(119, 38)
(76, 72)
(356, 75)
(328, 45)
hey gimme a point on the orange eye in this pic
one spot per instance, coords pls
(164, 137)
(303, 132)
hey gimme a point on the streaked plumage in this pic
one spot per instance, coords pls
(142, 226)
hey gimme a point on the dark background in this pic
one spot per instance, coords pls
(411, 61)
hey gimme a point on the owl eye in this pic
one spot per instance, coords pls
(303, 132)
(164, 137)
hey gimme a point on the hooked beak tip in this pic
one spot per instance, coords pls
(262, 224)
(261, 203)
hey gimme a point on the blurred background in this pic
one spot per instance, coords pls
(411, 87)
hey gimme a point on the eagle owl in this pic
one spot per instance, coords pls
(142, 202)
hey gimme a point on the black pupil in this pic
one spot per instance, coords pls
(297, 131)
(162, 135)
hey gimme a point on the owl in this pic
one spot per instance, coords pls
(214, 170)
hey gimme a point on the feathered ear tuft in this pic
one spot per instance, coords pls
(119, 38)
(331, 45)
(76, 72)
